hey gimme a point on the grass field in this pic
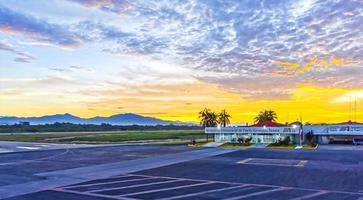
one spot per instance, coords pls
(104, 137)
(290, 146)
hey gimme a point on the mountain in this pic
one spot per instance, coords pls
(128, 119)
(119, 119)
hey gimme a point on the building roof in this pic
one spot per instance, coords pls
(349, 123)
(268, 124)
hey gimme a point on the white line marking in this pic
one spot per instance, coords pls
(165, 189)
(273, 162)
(204, 192)
(311, 195)
(105, 183)
(37, 159)
(91, 194)
(132, 186)
(258, 193)
(29, 148)
(191, 179)
(244, 161)
(302, 163)
(253, 184)
(280, 165)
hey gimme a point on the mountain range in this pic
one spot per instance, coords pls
(119, 119)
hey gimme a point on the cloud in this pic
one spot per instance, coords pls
(315, 63)
(24, 57)
(72, 68)
(257, 49)
(280, 44)
(349, 97)
(114, 6)
(12, 22)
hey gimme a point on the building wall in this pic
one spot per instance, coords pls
(256, 138)
(323, 134)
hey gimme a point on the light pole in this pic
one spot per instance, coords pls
(294, 126)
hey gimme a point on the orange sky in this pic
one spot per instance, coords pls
(172, 59)
(183, 102)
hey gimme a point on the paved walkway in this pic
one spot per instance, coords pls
(78, 175)
(213, 144)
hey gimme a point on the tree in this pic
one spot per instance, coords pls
(213, 119)
(204, 117)
(223, 118)
(264, 116)
(208, 118)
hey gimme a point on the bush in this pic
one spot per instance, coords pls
(286, 141)
(283, 141)
(310, 138)
(241, 140)
(248, 140)
(244, 141)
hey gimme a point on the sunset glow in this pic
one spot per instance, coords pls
(171, 59)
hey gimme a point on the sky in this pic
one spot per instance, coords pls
(170, 59)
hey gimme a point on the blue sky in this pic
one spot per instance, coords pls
(171, 58)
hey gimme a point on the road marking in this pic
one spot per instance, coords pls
(190, 179)
(92, 194)
(28, 148)
(259, 193)
(273, 162)
(204, 192)
(302, 163)
(165, 189)
(253, 184)
(37, 159)
(311, 195)
(244, 161)
(105, 183)
(132, 186)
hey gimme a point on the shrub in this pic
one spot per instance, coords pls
(282, 141)
(286, 141)
(310, 137)
(244, 141)
(248, 140)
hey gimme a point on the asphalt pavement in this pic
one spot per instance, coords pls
(180, 172)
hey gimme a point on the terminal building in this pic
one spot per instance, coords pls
(346, 132)
(266, 132)
(271, 132)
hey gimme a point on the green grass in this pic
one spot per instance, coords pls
(104, 137)
(310, 147)
(235, 145)
(274, 146)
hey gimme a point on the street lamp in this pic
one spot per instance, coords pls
(294, 126)
(220, 131)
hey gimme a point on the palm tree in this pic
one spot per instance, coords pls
(208, 118)
(223, 118)
(264, 116)
(204, 117)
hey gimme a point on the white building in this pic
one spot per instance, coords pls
(267, 132)
(345, 132)
(270, 132)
